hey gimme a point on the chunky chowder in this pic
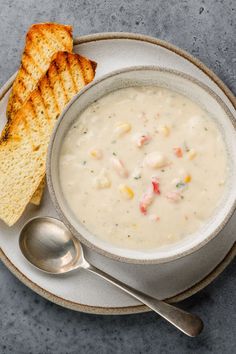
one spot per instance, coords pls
(143, 167)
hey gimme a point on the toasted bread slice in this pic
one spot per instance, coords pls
(43, 40)
(24, 142)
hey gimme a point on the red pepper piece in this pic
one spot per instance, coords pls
(178, 152)
(156, 187)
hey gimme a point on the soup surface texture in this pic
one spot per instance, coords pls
(143, 167)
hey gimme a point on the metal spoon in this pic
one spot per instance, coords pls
(49, 245)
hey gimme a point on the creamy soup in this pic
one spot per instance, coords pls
(143, 167)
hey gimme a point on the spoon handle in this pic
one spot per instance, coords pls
(189, 324)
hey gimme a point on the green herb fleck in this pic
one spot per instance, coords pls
(137, 177)
(84, 162)
(206, 129)
(186, 147)
(113, 142)
(85, 132)
(162, 170)
(180, 185)
(114, 154)
(92, 171)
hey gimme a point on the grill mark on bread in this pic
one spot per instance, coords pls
(87, 68)
(77, 71)
(66, 76)
(29, 123)
(56, 86)
(71, 62)
(22, 88)
(34, 52)
(25, 70)
(53, 74)
(21, 82)
(43, 102)
(60, 79)
(84, 68)
(38, 110)
(81, 68)
(69, 70)
(27, 56)
(52, 91)
(18, 99)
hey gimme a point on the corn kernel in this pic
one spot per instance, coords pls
(187, 179)
(122, 128)
(96, 154)
(126, 191)
(192, 154)
(165, 130)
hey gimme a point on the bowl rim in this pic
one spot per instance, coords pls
(52, 192)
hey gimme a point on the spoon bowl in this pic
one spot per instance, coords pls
(49, 246)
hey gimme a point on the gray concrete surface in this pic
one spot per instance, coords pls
(30, 324)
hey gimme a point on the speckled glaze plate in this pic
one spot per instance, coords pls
(82, 291)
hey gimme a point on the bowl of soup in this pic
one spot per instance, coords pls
(141, 165)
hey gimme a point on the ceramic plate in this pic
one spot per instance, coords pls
(82, 291)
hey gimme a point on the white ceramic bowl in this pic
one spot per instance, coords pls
(140, 76)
